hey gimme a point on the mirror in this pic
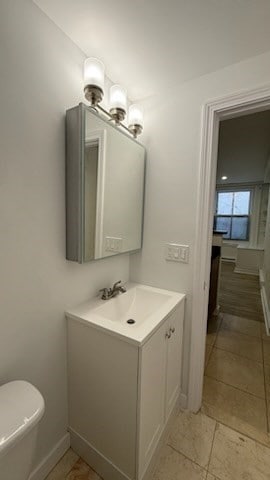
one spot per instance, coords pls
(105, 170)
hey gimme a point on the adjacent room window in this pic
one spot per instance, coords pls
(233, 214)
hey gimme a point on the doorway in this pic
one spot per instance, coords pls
(237, 349)
(232, 106)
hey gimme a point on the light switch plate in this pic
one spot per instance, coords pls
(177, 253)
(113, 244)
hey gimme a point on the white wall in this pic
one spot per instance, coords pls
(41, 76)
(172, 135)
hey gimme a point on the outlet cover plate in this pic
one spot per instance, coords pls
(113, 244)
(175, 252)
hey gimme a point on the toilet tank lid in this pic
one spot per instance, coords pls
(21, 407)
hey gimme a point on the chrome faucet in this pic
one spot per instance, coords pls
(108, 293)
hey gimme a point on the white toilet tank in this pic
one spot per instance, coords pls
(21, 408)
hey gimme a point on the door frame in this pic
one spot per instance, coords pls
(235, 105)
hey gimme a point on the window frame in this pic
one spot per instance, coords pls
(235, 189)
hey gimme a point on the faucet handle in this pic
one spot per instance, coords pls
(105, 293)
(120, 288)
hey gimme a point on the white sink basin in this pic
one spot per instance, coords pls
(145, 306)
(137, 304)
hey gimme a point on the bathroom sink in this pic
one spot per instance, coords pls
(136, 304)
(133, 315)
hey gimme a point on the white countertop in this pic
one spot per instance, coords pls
(148, 306)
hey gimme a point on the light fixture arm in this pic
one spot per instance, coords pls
(119, 124)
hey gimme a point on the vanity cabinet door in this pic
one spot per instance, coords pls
(174, 330)
(152, 395)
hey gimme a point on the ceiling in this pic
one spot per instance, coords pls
(244, 148)
(151, 45)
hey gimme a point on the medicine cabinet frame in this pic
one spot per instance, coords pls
(75, 184)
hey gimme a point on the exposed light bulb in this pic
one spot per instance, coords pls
(94, 72)
(224, 177)
(118, 103)
(135, 119)
(118, 97)
(94, 75)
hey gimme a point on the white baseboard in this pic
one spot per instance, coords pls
(266, 310)
(246, 271)
(49, 462)
(228, 259)
(94, 458)
(261, 275)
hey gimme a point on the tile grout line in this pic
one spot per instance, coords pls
(211, 450)
(213, 344)
(218, 329)
(187, 458)
(59, 461)
(71, 468)
(256, 317)
(239, 432)
(89, 467)
(206, 364)
(238, 332)
(229, 330)
(264, 380)
(238, 355)
(233, 386)
(217, 332)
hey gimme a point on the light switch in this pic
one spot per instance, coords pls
(177, 253)
(113, 244)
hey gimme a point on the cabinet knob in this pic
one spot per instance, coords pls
(172, 330)
(168, 335)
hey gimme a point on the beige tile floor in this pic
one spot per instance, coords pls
(71, 467)
(237, 376)
(198, 448)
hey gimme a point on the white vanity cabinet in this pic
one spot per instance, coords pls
(122, 393)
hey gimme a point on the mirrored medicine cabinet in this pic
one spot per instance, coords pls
(105, 170)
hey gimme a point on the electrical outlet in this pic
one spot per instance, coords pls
(177, 253)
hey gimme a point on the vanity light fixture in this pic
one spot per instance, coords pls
(94, 79)
(118, 103)
(94, 72)
(135, 119)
